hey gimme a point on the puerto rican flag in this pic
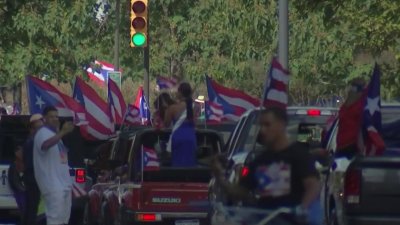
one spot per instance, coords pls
(166, 83)
(98, 73)
(143, 107)
(214, 112)
(234, 102)
(42, 94)
(276, 87)
(372, 143)
(132, 116)
(150, 159)
(116, 102)
(101, 126)
(78, 191)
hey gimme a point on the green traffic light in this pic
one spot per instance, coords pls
(139, 39)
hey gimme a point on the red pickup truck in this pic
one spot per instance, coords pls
(153, 192)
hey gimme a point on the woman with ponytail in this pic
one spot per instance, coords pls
(182, 143)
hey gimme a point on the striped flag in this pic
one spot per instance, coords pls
(78, 191)
(42, 94)
(276, 87)
(214, 112)
(150, 159)
(166, 82)
(101, 126)
(373, 143)
(98, 74)
(234, 102)
(143, 107)
(116, 102)
(133, 116)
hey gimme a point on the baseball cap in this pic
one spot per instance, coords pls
(35, 117)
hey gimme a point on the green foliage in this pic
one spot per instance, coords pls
(331, 42)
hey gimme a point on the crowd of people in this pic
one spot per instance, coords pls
(295, 183)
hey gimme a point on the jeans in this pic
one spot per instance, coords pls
(32, 203)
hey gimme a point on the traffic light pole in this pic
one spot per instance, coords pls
(146, 57)
(116, 39)
(146, 63)
(283, 36)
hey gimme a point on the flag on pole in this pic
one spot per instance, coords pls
(133, 116)
(98, 73)
(101, 126)
(276, 87)
(42, 94)
(373, 143)
(116, 102)
(166, 82)
(142, 105)
(234, 102)
(214, 112)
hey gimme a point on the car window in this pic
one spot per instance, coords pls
(307, 129)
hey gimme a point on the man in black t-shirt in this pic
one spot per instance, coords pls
(281, 175)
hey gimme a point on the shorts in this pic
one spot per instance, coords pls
(58, 207)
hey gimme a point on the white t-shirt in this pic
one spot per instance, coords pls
(51, 165)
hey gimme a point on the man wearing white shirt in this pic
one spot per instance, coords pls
(50, 161)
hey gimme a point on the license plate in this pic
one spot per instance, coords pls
(187, 222)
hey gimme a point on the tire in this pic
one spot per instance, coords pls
(88, 217)
(106, 217)
(121, 218)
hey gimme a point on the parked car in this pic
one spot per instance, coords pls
(365, 190)
(306, 124)
(166, 195)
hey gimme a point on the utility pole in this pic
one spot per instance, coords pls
(283, 34)
(116, 38)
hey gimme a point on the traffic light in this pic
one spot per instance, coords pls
(139, 15)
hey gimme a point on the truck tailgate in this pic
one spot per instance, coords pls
(380, 186)
(174, 197)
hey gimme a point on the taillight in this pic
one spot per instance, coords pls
(245, 171)
(148, 217)
(352, 186)
(80, 175)
(313, 112)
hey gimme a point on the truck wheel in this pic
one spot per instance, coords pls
(88, 217)
(106, 217)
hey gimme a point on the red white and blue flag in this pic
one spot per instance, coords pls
(214, 112)
(234, 102)
(276, 88)
(42, 94)
(150, 159)
(143, 107)
(101, 126)
(166, 82)
(99, 73)
(16, 110)
(132, 116)
(373, 144)
(116, 102)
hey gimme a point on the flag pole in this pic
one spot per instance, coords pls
(27, 93)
